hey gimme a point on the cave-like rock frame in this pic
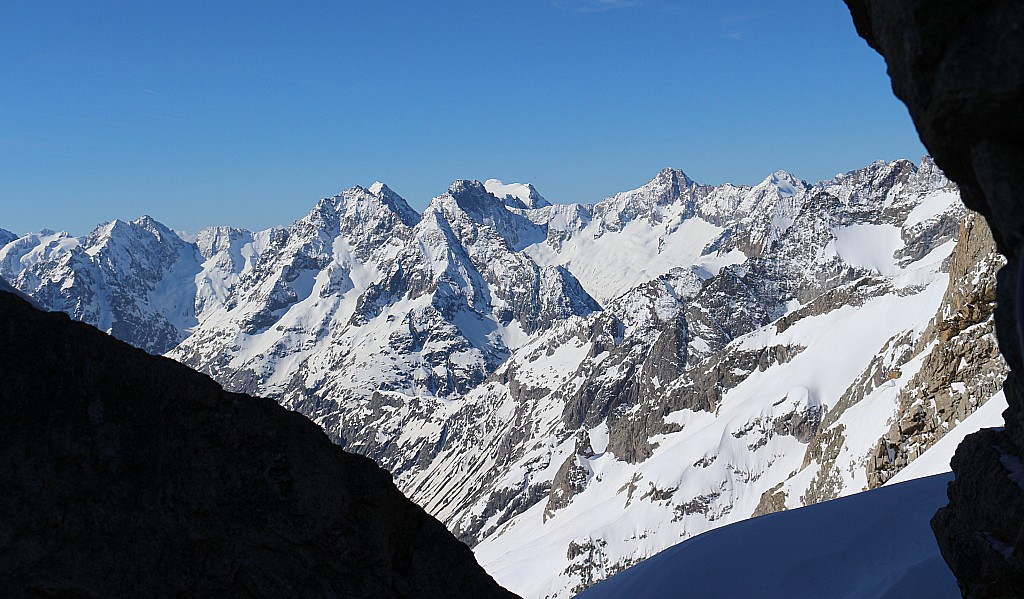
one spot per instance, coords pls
(959, 67)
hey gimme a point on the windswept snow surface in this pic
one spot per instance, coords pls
(875, 544)
(610, 263)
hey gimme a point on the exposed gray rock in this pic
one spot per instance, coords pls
(124, 277)
(773, 500)
(467, 361)
(571, 478)
(963, 366)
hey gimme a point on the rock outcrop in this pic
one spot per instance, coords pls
(959, 68)
(962, 365)
(126, 474)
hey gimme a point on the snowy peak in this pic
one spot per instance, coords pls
(670, 186)
(395, 202)
(869, 186)
(472, 196)
(928, 176)
(667, 186)
(366, 218)
(570, 387)
(145, 225)
(150, 224)
(143, 242)
(787, 184)
(470, 209)
(516, 195)
(133, 279)
(24, 252)
(358, 205)
(673, 177)
(468, 203)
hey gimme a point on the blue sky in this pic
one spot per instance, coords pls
(245, 113)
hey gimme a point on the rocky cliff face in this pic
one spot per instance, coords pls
(962, 366)
(127, 474)
(959, 67)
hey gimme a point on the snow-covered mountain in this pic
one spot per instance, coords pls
(131, 279)
(572, 388)
(872, 544)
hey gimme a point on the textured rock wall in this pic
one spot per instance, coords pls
(959, 68)
(125, 475)
(962, 367)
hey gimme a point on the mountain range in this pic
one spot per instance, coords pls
(572, 388)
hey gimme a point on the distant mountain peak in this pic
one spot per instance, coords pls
(472, 197)
(516, 195)
(787, 184)
(564, 348)
(158, 229)
(673, 175)
(467, 186)
(360, 202)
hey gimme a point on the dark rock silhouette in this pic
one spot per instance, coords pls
(959, 68)
(123, 474)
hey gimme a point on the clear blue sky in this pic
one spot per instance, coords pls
(245, 113)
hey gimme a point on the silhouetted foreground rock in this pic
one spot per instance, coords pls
(959, 67)
(124, 474)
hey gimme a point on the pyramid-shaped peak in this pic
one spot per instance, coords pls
(781, 175)
(152, 225)
(785, 182)
(145, 230)
(360, 202)
(669, 182)
(669, 174)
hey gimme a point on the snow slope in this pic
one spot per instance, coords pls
(877, 544)
(873, 544)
